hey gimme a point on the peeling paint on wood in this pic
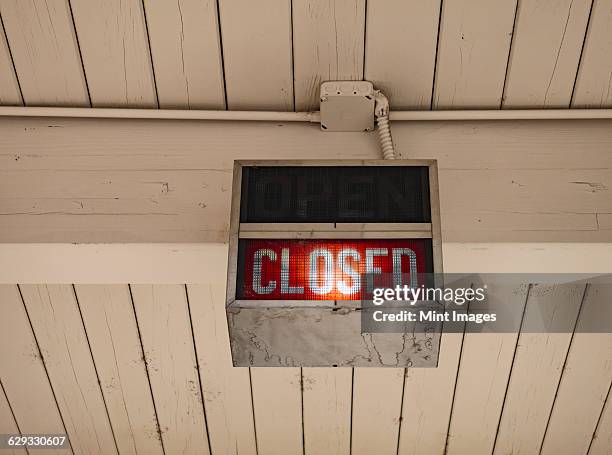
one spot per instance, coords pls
(112, 333)
(162, 313)
(56, 320)
(227, 390)
(24, 378)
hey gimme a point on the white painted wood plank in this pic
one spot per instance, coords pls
(602, 439)
(428, 398)
(114, 46)
(59, 330)
(10, 94)
(162, 145)
(184, 39)
(536, 204)
(537, 366)
(163, 317)
(473, 51)
(45, 52)
(227, 390)
(594, 81)
(328, 45)
(24, 379)
(548, 38)
(111, 328)
(89, 144)
(8, 424)
(257, 39)
(327, 410)
(277, 405)
(486, 221)
(400, 52)
(104, 181)
(578, 191)
(377, 404)
(586, 378)
(486, 360)
(188, 262)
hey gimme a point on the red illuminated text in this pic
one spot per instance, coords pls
(325, 270)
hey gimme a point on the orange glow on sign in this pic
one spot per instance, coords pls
(324, 269)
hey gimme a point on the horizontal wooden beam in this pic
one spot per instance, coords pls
(206, 262)
(73, 180)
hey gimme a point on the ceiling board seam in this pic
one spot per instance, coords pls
(352, 405)
(146, 26)
(144, 359)
(76, 35)
(567, 354)
(8, 46)
(435, 69)
(401, 416)
(452, 407)
(44, 364)
(8, 403)
(516, 345)
(302, 413)
(606, 402)
(93, 362)
(365, 40)
(508, 61)
(197, 364)
(293, 76)
(221, 54)
(253, 412)
(584, 41)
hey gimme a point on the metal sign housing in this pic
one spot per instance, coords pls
(293, 313)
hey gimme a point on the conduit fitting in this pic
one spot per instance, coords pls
(381, 112)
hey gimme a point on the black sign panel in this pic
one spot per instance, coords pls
(330, 194)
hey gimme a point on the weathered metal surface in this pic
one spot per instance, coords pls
(313, 337)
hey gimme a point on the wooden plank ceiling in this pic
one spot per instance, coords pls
(273, 54)
(146, 369)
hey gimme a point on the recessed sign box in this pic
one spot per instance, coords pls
(305, 236)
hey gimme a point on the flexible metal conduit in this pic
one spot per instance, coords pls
(314, 117)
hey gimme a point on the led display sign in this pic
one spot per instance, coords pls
(324, 194)
(309, 244)
(325, 269)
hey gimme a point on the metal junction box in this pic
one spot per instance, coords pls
(303, 235)
(347, 106)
